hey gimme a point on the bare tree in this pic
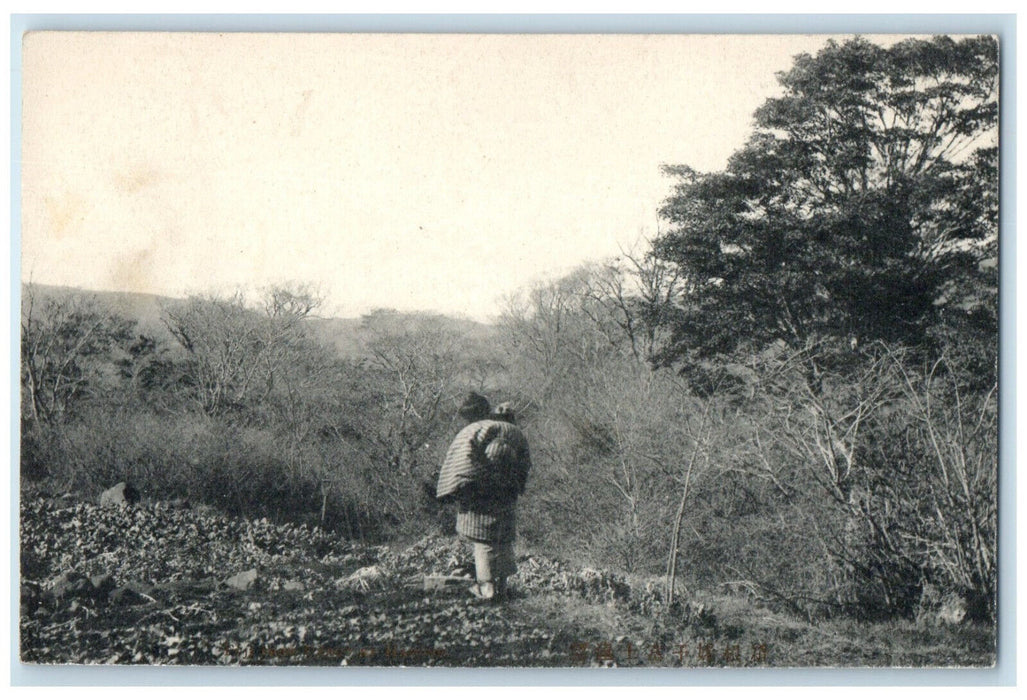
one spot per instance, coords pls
(222, 338)
(634, 295)
(236, 352)
(411, 368)
(957, 532)
(66, 343)
(285, 308)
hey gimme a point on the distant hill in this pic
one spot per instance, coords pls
(350, 335)
(144, 309)
(346, 335)
(341, 333)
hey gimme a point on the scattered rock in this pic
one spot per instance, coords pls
(126, 596)
(184, 587)
(174, 504)
(118, 496)
(465, 571)
(140, 587)
(102, 581)
(363, 578)
(292, 586)
(242, 581)
(71, 584)
(102, 586)
(366, 573)
(438, 583)
(952, 610)
(31, 597)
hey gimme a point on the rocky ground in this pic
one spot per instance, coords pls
(163, 583)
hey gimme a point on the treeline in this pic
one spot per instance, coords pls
(245, 407)
(790, 393)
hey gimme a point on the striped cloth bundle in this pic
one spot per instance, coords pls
(469, 460)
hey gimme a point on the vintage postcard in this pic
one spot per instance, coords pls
(486, 350)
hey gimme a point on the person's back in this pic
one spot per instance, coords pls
(500, 453)
(485, 471)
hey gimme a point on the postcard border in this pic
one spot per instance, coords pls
(1003, 26)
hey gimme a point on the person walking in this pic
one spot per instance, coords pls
(485, 471)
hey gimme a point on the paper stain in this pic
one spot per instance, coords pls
(131, 272)
(64, 214)
(136, 178)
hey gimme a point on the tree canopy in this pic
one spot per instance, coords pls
(863, 207)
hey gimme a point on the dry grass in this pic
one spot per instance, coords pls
(747, 635)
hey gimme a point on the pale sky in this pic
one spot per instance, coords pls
(433, 172)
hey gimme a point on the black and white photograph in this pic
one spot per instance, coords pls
(565, 350)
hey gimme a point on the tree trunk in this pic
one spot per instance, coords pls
(672, 563)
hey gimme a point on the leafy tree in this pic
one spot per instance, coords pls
(858, 225)
(862, 208)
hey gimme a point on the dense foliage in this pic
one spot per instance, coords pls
(846, 258)
(861, 209)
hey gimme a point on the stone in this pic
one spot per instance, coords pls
(183, 587)
(31, 598)
(242, 581)
(363, 578)
(126, 596)
(438, 583)
(118, 496)
(366, 573)
(292, 586)
(102, 586)
(952, 610)
(71, 584)
(141, 587)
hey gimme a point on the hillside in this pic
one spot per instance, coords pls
(162, 583)
(144, 309)
(346, 335)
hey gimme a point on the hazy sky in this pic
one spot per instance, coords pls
(408, 171)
